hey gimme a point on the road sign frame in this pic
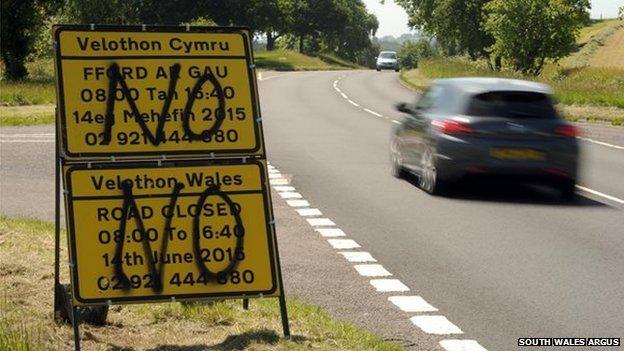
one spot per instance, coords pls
(257, 150)
(71, 231)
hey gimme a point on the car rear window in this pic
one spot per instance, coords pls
(390, 55)
(512, 104)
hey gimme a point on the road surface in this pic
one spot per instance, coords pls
(500, 262)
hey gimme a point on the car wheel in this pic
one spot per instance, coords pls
(378, 69)
(397, 162)
(396, 69)
(429, 179)
(567, 189)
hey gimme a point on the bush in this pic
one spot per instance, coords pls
(411, 52)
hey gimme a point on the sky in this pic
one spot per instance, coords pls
(393, 19)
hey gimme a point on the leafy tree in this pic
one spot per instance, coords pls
(528, 32)
(411, 52)
(456, 24)
(18, 31)
(103, 12)
(621, 13)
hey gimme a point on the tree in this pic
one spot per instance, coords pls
(456, 24)
(528, 32)
(103, 12)
(411, 52)
(18, 20)
(621, 13)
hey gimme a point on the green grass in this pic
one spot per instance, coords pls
(37, 89)
(26, 280)
(26, 115)
(573, 86)
(286, 60)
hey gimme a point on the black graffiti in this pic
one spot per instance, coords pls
(118, 80)
(129, 204)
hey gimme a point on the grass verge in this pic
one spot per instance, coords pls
(26, 115)
(286, 60)
(26, 281)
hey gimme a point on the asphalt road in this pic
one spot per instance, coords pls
(501, 262)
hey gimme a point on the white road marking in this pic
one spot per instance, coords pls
(361, 256)
(33, 135)
(26, 141)
(344, 95)
(353, 103)
(330, 232)
(290, 195)
(27, 138)
(308, 212)
(602, 143)
(273, 170)
(435, 325)
(612, 198)
(343, 244)
(461, 345)
(372, 270)
(373, 112)
(298, 203)
(275, 175)
(284, 188)
(278, 181)
(388, 285)
(412, 304)
(395, 121)
(320, 222)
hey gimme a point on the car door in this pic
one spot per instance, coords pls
(416, 126)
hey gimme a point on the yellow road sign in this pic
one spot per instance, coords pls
(186, 230)
(134, 91)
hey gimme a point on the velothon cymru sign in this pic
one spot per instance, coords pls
(158, 91)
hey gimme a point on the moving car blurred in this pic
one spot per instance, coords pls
(388, 60)
(485, 127)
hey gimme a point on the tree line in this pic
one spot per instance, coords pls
(339, 27)
(520, 34)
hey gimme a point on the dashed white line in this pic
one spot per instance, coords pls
(331, 232)
(308, 212)
(358, 256)
(435, 325)
(612, 198)
(298, 203)
(278, 181)
(412, 304)
(320, 222)
(284, 188)
(290, 195)
(461, 345)
(353, 103)
(343, 244)
(395, 121)
(373, 113)
(372, 270)
(388, 285)
(275, 175)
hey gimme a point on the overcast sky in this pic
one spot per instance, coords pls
(393, 19)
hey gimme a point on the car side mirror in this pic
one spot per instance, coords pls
(404, 107)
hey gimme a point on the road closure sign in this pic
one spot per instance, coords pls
(186, 230)
(146, 91)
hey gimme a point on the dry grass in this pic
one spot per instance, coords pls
(612, 53)
(26, 285)
(26, 115)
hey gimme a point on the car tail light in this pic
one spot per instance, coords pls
(567, 131)
(450, 126)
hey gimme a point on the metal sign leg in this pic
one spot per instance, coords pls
(245, 304)
(284, 314)
(58, 291)
(76, 319)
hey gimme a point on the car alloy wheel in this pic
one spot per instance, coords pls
(428, 180)
(397, 162)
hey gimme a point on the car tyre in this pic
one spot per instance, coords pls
(567, 189)
(429, 179)
(397, 165)
(378, 69)
(396, 69)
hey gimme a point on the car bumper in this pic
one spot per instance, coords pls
(387, 66)
(462, 157)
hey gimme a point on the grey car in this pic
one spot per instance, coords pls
(387, 60)
(504, 128)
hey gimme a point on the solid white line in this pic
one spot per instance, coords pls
(412, 304)
(284, 188)
(361, 256)
(26, 141)
(278, 181)
(308, 212)
(461, 345)
(290, 195)
(373, 112)
(372, 270)
(298, 203)
(320, 222)
(344, 95)
(602, 143)
(343, 244)
(612, 198)
(435, 325)
(331, 232)
(388, 285)
(34, 135)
